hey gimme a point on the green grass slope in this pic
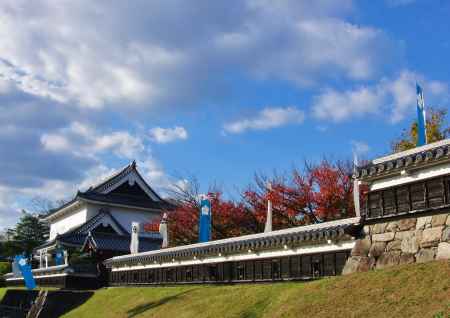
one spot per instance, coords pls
(418, 290)
(2, 292)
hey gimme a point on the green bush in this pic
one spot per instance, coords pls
(5, 267)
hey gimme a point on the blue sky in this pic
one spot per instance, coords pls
(214, 89)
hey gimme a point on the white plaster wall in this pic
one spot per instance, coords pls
(123, 215)
(321, 248)
(126, 216)
(424, 173)
(92, 210)
(68, 222)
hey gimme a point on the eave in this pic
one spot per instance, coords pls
(333, 230)
(110, 204)
(65, 209)
(430, 155)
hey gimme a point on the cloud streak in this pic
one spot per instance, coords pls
(165, 135)
(394, 97)
(268, 118)
(45, 52)
(83, 140)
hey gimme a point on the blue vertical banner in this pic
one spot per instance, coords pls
(59, 257)
(205, 221)
(421, 118)
(25, 269)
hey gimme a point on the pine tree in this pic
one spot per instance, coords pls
(28, 233)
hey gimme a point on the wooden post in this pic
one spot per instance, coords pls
(409, 198)
(395, 200)
(444, 185)
(41, 261)
(382, 203)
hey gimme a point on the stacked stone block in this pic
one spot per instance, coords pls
(409, 240)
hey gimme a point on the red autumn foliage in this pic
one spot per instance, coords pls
(152, 226)
(229, 219)
(321, 192)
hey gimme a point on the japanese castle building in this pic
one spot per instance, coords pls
(96, 225)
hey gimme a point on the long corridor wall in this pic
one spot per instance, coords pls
(297, 267)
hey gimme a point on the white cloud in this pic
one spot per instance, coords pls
(360, 147)
(9, 210)
(270, 117)
(166, 135)
(392, 97)
(56, 143)
(5, 86)
(339, 106)
(83, 140)
(53, 66)
(122, 143)
(46, 53)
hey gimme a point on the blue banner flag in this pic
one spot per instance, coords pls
(59, 257)
(205, 221)
(25, 269)
(421, 118)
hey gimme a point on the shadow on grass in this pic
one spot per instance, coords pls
(145, 307)
(257, 309)
(57, 303)
(61, 302)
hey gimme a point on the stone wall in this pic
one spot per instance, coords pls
(409, 240)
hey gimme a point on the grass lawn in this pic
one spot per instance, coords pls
(418, 290)
(2, 292)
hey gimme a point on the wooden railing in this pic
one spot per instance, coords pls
(406, 198)
(61, 269)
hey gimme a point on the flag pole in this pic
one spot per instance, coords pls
(356, 186)
(268, 227)
(421, 118)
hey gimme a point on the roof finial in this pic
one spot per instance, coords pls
(133, 164)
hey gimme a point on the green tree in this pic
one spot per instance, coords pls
(28, 233)
(437, 129)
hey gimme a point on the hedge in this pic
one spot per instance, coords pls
(5, 267)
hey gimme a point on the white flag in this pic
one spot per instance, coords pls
(134, 245)
(268, 227)
(356, 187)
(163, 231)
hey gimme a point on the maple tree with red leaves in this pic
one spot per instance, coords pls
(318, 193)
(321, 192)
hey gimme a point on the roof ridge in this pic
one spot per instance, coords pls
(117, 173)
(412, 151)
(293, 230)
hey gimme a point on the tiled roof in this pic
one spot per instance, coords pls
(297, 235)
(69, 239)
(117, 177)
(123, 200)
(429, 154)
(120, 243)
(104, 241)
(114, 177)
(93, 222)
(94, 193)
(77, 236)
